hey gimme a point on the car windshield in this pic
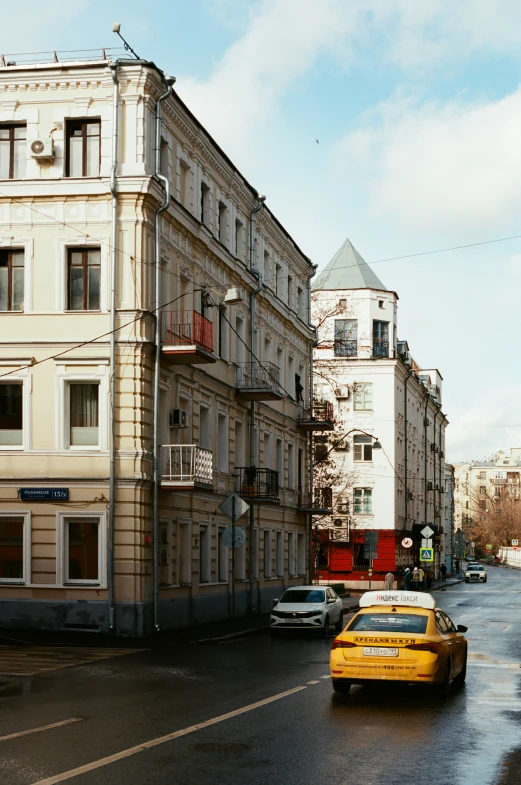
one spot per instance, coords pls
(295, 596)
(384, 622)
(475, 567)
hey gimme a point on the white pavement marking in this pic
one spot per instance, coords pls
(41, 728)
(315, 681)
(324, 677)
(97, 764)
(507, 628)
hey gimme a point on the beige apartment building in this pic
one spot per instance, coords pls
(133, 403)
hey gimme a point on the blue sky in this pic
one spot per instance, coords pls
(417, 109)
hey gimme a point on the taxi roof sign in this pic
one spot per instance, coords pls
(409, 599)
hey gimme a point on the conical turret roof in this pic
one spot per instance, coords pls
(348, 270)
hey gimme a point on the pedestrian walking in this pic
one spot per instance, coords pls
(421, 578)
(443, 571)
(389, 580)
(415, 578)
(407, 579)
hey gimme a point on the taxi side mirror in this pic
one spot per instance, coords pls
(461, 628)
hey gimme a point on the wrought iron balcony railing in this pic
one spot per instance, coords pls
(258, 381)
(318, 418)
(254, 483)
(320, 501)
(380, 348)
(186, 464)
(186, 328)
(345, 348)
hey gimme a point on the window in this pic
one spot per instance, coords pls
(83, 414)
(223, 333)
(12, 151)
(11, 280)
(291, 466)
(204, 553)
(342, 304)
(363, 501)
(279, 461)
(204, 427)
(13, 541)
(184, 551)
(363, 448)
(482, 475)
(278, 277)
(163, 167)
(483, 490)
(267, 268)
(11, 414)
(239, 444)
(222, 442)
(267, 554)
(222, 217)
(83, 148)
(363, 396)
(268, 458)
(346, 338)
(82, 550)
(300, 303)
(380, 303)
(301, 553)
(292, 555)
(83, 279)
(254, 567)
(280, 554)
(205, 203)
(380, 339)
(185, 175)
(222, 557)
(165, 553)
(290, 291)
(238, 236)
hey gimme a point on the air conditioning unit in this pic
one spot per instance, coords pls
(434, 447)
(342, 391)
(42, 149)
(406, 357)
(426, 421)
(233, 296)
(178, 418)
(429, 486)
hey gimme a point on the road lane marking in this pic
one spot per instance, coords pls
(97, 764)
(41, 728)
(508, 628)
(324, 677)
(314, 681)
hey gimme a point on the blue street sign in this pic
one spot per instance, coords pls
(44, 494)
(426, 554)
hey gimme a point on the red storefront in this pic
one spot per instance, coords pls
(344, 562)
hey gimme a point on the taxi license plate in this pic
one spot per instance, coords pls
(380, 651)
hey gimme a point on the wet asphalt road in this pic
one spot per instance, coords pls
(385, 735)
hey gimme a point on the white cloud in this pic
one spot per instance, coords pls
(494, 423)
(432, 167)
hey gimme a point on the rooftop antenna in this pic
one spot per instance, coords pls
(116, 27)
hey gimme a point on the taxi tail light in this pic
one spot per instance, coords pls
(432, 647)
(339, 644)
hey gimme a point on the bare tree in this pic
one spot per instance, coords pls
(493, 518)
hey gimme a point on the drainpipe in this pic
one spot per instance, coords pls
(251, 457)
(312, 346)
(112, 370)
(169, 82)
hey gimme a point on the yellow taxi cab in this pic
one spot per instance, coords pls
(399, 636)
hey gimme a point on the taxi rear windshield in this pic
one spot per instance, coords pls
(392, 622)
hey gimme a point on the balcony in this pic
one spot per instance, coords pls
(380, 348)
(345, 348)
(318, 418)
(258, 382)
(318, 503)
(186, 466)
(258, 484)
(500, 480)
(186, 338)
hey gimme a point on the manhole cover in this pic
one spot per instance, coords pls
(222, 748)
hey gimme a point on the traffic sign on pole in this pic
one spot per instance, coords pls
(426, 554)
(406, 542)
(427, 532)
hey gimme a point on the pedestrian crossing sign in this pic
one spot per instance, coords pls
(426, 554)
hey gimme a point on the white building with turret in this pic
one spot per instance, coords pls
(385, 458)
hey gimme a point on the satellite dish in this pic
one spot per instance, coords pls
(227, 536)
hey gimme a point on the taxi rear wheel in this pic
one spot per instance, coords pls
(442, 688)
(459, 680)
(341, 685)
